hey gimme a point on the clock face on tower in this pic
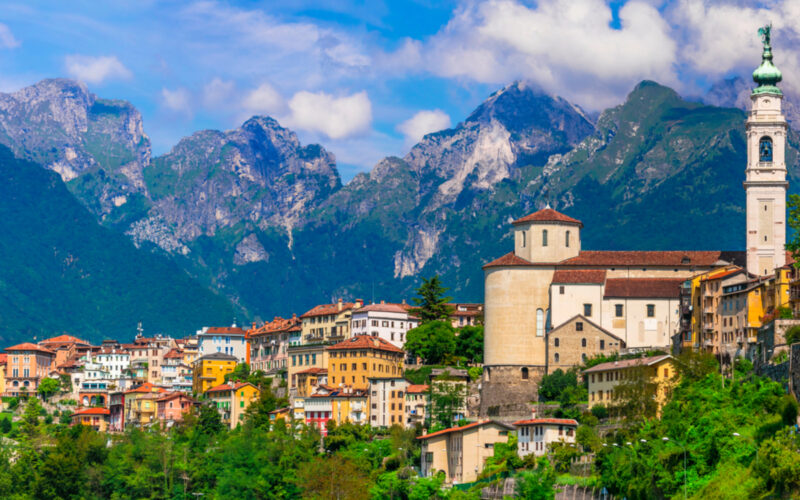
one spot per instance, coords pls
(765, 150)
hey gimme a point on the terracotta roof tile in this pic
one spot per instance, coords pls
(509, 259)
(225, 330)
(417, 388)
(548, 215)
(644, 288)
(3, 358)
(64, 339)
(627, 363)
(554, 421)
(366, 342)
(326, 309)
(92, 411)
(228, 387)
(313, 371)
(670, 258)
(723, 274)
(145, 388)
(27, 346)
(592, 276)
(386, 307)
(173, 354)
(277, 325)
(465, 427)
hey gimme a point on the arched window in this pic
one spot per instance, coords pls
(544, 237)
(555, 357)
(566, 239)
(583, 357)
(555, 342)
(583, 342)
(524, 374)
(539, 322)
(765, 149)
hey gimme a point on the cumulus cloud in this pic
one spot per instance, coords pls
(217, 93)
(95, 70)
(7, 39)
(263, 100)
(335, 117)
(424, 122)
(178, 100)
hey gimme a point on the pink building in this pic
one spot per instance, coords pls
(270, 342)
(27, 364)
(173, 407)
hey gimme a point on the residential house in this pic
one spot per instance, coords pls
(230, 340)
(3, 363)
(284, 414)
(140, 404)
(461, 452)
(302, 358)
(341, 405)
(317, 411)
(603, 379)
(210, 370)
(417, 404)
(96, 418)
(328, 322)
(387, 401)
(465, 314)
(269, 344)
(66, 348)
(175, 373)
(352, 362)
(232, 400)
(27, 365)
(390, 322)
(535, 435)
(116, 408)
(306, 383)
(172, 407)
(577, 340)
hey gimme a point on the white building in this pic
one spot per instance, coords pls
(228, 340)
(391, 322)
(534, 435)
(387, 401)
(113, 361)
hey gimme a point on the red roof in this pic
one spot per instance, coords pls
(644, 288)
(27, 346)
(548, 215)
(145, 388)
(3, 358)
(554, 421)
(627, 363)
(173, 354)
(173, 395)
(723, 274)
(465, 427)
(326, 309)
(64, 339)
(509, 259)
(313, 371)
(92, 411)
(229, 387)
(579, 276)
(670, 258)
(384, 307)
(277, 325)
(226, 330)
(366, 342)
(416, 388)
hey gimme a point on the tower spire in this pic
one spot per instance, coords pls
(767, 75)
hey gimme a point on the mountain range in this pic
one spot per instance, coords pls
(252, 223)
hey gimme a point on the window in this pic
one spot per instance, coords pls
(651, 310)
(566, 239)
(587, 310)
(561, 290)
(555, 342)
(523, 239)
(618, 310)
(579, 326)
(666, 372)
(602, 344)
(544, 237)
(765, 149)
(524, 374)
(555, 357)
(539, 322)
(583, 342)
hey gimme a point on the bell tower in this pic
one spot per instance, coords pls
(765, 176)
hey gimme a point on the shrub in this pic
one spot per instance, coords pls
(600, 411)
(793, 335)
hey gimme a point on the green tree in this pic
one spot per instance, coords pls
(240, 373)
(793, 245)
(635, 397)
(434, 342)
(432, 303)
(5, 425)
(257, 414)
(448, 398)
(48, 387)
(469, 343)
(536, 484)
(553, 384)
(793, 335)
(29, 424)
(332, 478)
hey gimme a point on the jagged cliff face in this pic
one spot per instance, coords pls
(97, 145)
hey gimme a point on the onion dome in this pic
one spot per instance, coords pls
(767, 75)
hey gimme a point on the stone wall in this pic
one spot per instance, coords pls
(506, 395)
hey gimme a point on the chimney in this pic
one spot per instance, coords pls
(359, 303)
(533, 412)
(403, 302)
(383, 302)
(339, 305)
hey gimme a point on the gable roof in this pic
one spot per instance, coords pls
(92, 411)
(326, 309)
(627, 363)
(385, 307)
(553, 421)
(313, 371)
(548, 215)
(644, 288)
(466, 427)
(173, 354)
(711, 276)
(669, 258)
(218, 356)
(27, 346)
(509, 259)
(223, 330)
(581, 276)
(145, 388)
(366, 342)
(585, 320)
(277, 325)
(63, 339)
(176, 394)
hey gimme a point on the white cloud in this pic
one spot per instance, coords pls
(95, 70)
(424, 122)
(217, 93)
(335, 117)
(263, 100)
(178, 100)
(7, 39)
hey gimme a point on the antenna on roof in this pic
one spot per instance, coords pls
(139, 329)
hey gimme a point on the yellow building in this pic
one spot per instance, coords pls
(210, 370)
(232, 400)
(604, 378)
(328, 322)
(353, 362)
(140, 404)
(96, 418)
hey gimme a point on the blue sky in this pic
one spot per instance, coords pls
(367, 79)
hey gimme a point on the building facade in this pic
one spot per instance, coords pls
(210, 370)
(390, 322)
(387, 401)
(353, 362)
(534, 436)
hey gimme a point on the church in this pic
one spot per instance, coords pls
(630, 299)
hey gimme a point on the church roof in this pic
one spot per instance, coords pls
(580, 276)
(643, 288)
(671, 258)
(509, 259)
(548, 215)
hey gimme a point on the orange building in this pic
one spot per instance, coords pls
(27, 365)
(352, 362)
(97, 418)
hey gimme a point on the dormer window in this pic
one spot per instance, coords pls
(765, 149)
(544, 237)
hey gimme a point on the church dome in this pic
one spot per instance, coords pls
(767, 75)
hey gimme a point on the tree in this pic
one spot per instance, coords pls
(635, 398)
(240, 373)
(552, 385)
(691, 365)
(536, 484)
(29, 425)
(208, 420)
(448, 398)
(469, 343)
(48, 387)
(332, 478)
(5, 425)
(434, 342)
(793, 245)
(431, 303)
(257, 414)
(793, 335)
